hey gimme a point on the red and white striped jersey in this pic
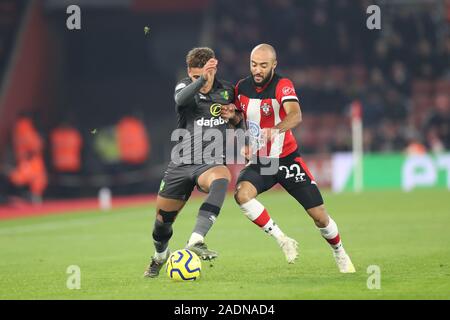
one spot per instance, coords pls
(263, 108)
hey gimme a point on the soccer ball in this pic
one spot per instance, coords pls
(183, 265)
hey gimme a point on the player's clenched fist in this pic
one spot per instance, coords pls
(209, 69)
(227, 111)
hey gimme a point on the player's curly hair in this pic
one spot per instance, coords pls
(197, 57)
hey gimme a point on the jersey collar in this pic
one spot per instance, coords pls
(264, 87)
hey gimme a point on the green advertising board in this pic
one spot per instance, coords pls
(392, 171)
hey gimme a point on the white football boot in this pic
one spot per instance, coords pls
(343, 262)
(289, 247)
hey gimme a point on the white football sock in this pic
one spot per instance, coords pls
(162, 255)
(256, 212)
(195, 238)
(331, 234)
(273, 229)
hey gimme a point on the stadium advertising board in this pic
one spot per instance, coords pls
(392, 171)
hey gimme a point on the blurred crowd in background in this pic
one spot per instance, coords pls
(118, 155)
(400, 74)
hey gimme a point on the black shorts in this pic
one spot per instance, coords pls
(180, 179)
(292, 174)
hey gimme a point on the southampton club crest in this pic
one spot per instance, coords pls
(266, 110)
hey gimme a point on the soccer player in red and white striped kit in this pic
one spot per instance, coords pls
(268, 103)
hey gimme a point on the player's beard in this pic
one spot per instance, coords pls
(265, 80)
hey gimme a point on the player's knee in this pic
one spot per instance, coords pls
(319, 215)
(219, 173)
(243, 195)
(166, 216)
(162, 230)
(225, 174)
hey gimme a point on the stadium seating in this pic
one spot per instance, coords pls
(10, 14)
(354, 63)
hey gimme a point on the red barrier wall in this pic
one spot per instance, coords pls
(172, 5)
(27, 85)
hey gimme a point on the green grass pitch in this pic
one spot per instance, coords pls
(405, 234)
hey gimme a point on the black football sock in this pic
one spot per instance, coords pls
(210, 209)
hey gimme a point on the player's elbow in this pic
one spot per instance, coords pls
(177, 99)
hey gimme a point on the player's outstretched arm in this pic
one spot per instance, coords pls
(184, 93)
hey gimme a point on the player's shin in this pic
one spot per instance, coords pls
(256, 212)
(209, 210)
(331, 234)
(162, 232)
